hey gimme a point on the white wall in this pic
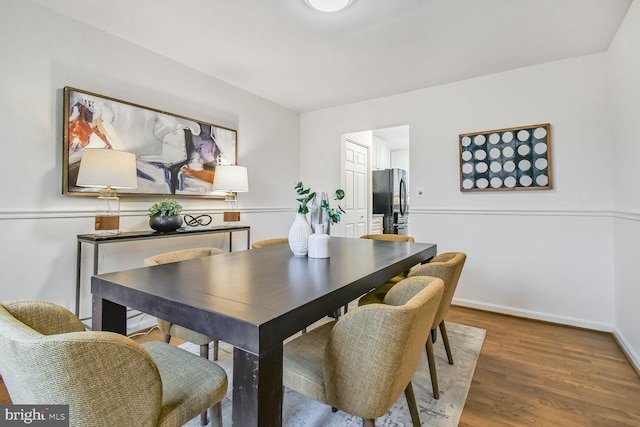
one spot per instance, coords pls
(41, 53)
(543, 254)
(624, 80)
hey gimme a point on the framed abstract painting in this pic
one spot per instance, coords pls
(175, 155)
(517, 158)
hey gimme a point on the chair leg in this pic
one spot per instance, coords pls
(445, 340)
(216, 415)
(204, 352)
(432, 369)
(215, 349)
(368, 422)
(411, 403)
(167, 338)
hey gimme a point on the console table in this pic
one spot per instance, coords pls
(129, 236)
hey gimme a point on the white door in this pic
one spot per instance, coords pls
(356, 178)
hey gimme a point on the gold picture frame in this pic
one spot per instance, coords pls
(175, 155)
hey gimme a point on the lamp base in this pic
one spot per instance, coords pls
(107, 213)
(107, 225)
(233, 216)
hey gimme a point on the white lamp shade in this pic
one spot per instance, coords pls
(328, 5)
(100, 167)
(230, 178)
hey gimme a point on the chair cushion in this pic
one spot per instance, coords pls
(185, 391)
(183, 333)
(377, 295)
(302, 361)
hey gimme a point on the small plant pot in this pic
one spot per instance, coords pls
(165, 223)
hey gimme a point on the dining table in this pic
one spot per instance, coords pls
(253, 300)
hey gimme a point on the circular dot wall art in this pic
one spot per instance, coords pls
(506, 159)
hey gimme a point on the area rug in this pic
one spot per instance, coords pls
(454, 381)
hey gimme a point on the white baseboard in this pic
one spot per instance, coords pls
(627, 349)
(563, 320)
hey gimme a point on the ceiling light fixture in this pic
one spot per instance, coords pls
(328, 5)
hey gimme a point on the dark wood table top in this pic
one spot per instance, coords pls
(255, 299)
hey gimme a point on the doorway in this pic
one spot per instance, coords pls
(365, 152)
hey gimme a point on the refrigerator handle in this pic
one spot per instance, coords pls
(403, 197)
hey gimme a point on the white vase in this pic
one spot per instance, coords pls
(319, 243)
(316, 208)
(299, 235)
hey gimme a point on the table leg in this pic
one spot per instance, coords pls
(78, 264)
(109, 316)
(96, 249)
(257, 388)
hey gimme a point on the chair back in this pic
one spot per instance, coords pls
(182, 255)
(391, 237)
(46, 357)
(270, 242)
(448, 267)
(374, 350)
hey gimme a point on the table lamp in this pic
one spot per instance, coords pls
(232, 179)
(107, 169)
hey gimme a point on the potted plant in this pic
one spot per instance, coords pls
(300, 229)
(332, 215)
(305, 197)
(165, 215)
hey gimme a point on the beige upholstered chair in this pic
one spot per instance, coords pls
(171, 329)
(46, 357)
(448, 267)
(392, 238)
(270, 242)
(362, 362)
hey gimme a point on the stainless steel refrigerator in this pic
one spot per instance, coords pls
(390, 199)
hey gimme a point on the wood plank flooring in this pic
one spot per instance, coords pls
(534, 373)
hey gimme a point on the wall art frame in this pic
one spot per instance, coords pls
(175, 155)
(509, 159)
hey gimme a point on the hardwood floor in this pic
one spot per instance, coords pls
(538, 374)
(542, 374)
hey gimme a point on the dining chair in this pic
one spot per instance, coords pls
(448, 267)
(170, 329)
(362, 362)
(270, 242)
(391, 238)
(107, 379)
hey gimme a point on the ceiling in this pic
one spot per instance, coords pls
(306, 60)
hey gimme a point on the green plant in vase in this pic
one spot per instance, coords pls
(306, 197)
(333, 215)
(165, 215)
